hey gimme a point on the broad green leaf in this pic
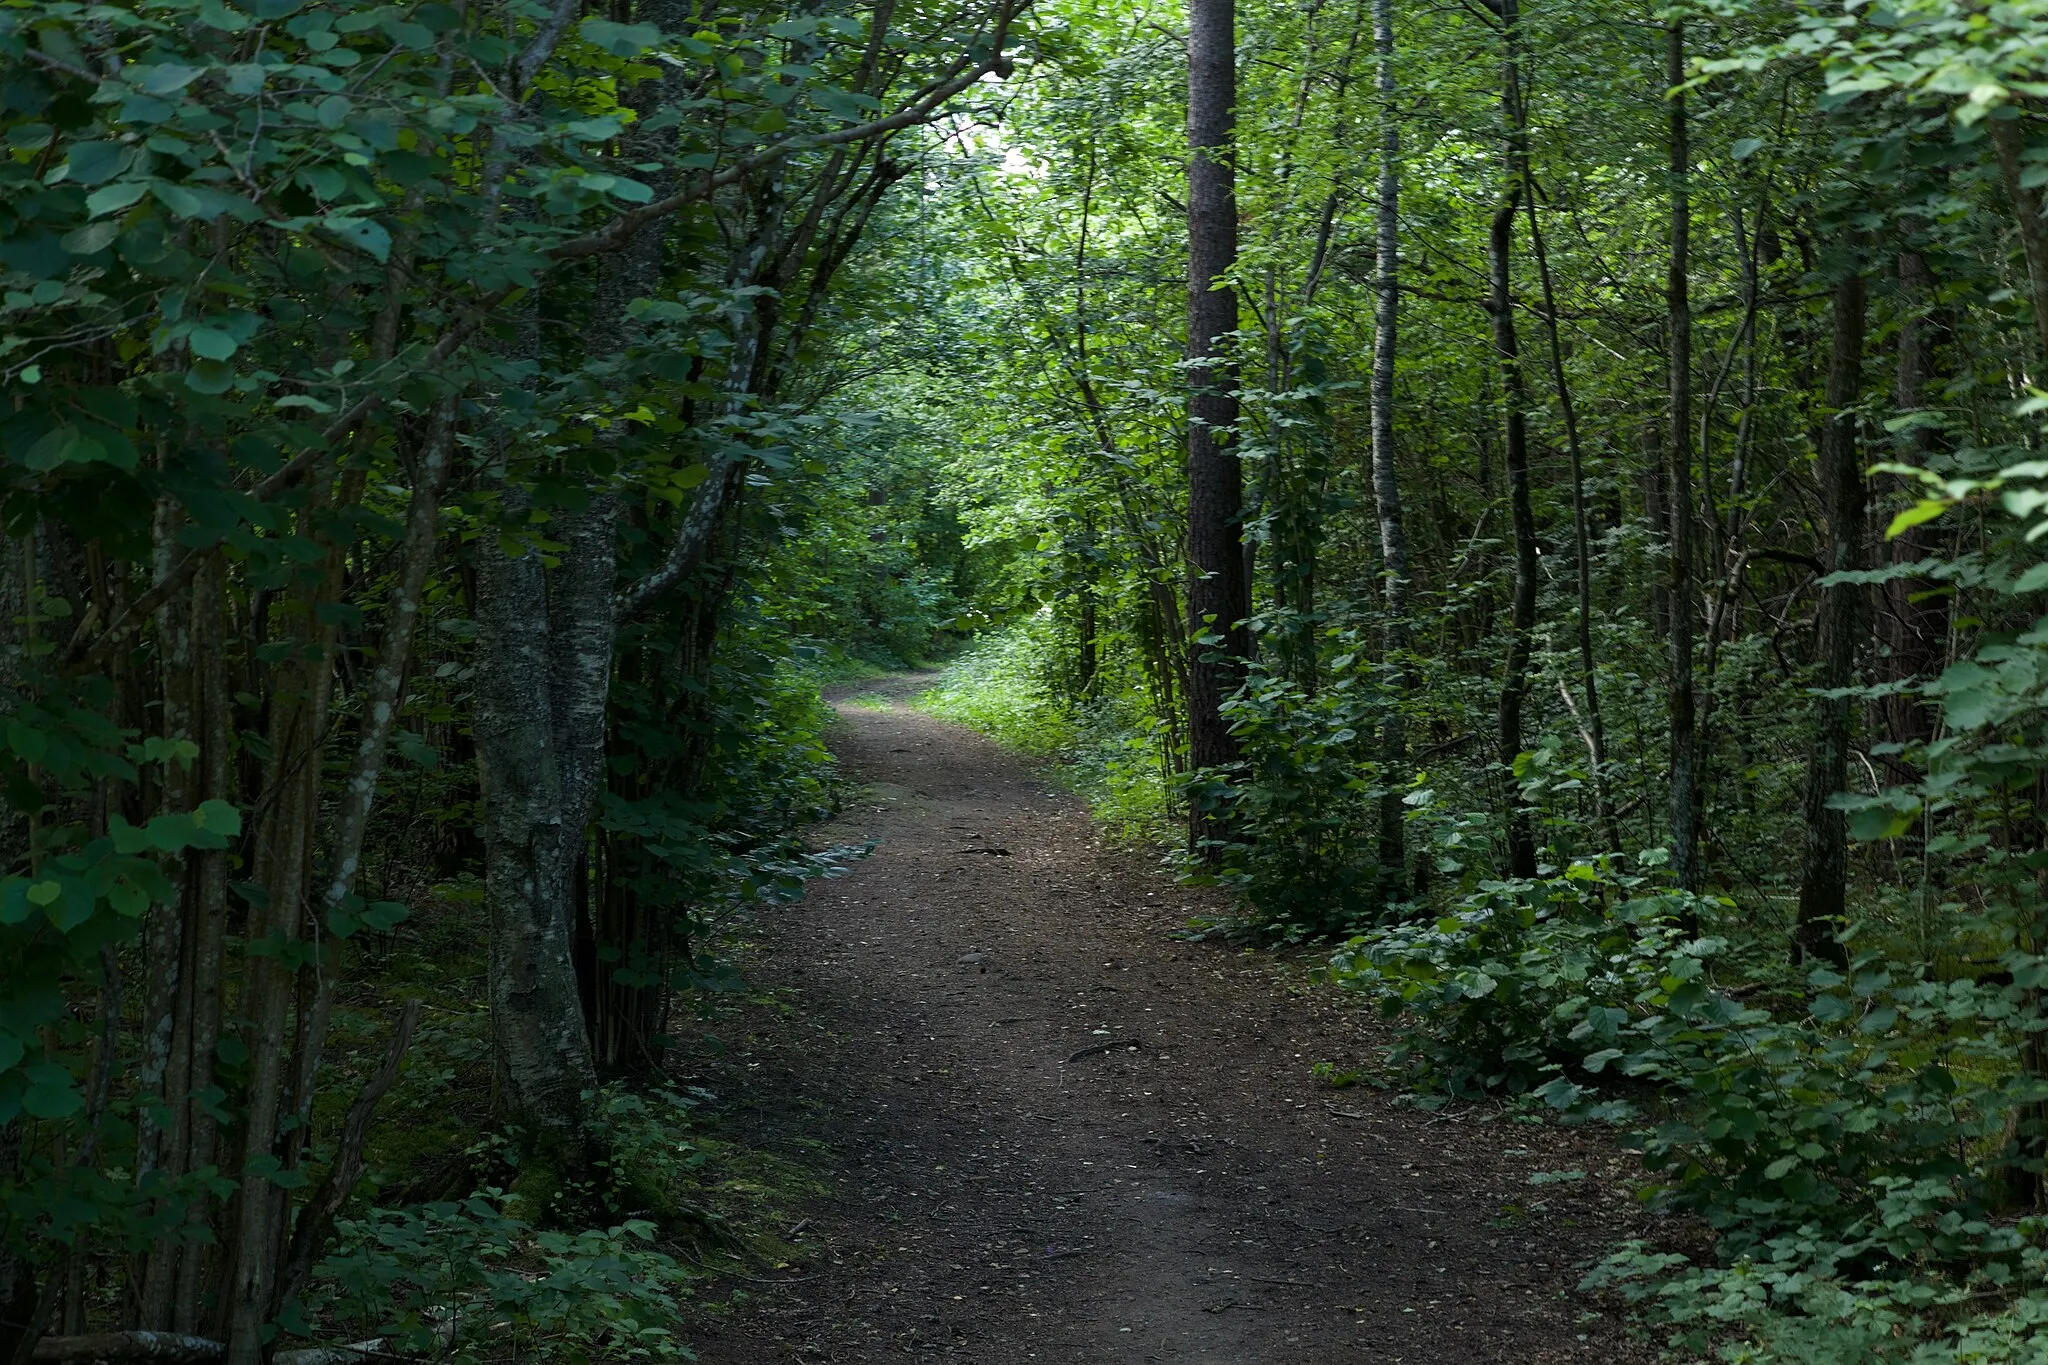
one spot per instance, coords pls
(210, 376)
(47, 1101)
(220, 817)
(1925, 510)
(28, 743)
(620, 40)
(210, 342)
(115, 197)
(95, 163)
(167, 78)
(92, 238)
(366, 233)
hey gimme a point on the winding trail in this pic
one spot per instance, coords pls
(1057, 1132)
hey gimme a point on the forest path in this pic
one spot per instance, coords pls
(1002, 1197)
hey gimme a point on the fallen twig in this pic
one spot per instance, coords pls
(1105, 1047)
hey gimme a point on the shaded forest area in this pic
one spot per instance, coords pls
(1547, 501)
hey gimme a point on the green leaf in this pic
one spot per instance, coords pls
(91, 239)
(620, 40)
(167, 78)
(210, 342)
(129, 901)
(95, 163)
(113, 198)
(28, 743)
(1746, 148)
(1925, 510)
(216, 14)
(45, 1101)
(326, 181)
(384, 916)
(182, 202)
(218, 816)
(365, 233)
(2033, 580)
(209, 376)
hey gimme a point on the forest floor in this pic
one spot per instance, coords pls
(1054, 1129)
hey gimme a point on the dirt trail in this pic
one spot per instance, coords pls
(1059, 1133)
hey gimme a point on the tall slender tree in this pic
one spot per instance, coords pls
(1219, 593)
(1514, 686)
(1823, 873)
(1678, 472)
(1386, 484)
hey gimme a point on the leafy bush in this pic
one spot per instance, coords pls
(1015, 686)
(1851, 1138)
(1514, 982)
(465, 1278)
(1304, 800)
(1003, 687)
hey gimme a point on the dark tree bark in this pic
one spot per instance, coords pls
(1219, 596)
(542, 1052)
(1582, 551)
(1678, 473)
(1824, 866)
(1514, 687)
(1386, 484)
(1917, 615)
(2008, 141)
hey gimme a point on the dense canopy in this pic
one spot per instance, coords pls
(1545, 501)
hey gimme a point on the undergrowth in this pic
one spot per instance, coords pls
(469, 1245)
(1012, 685)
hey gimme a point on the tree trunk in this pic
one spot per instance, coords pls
(1916, 621)
(1582, 550)
(1824, 869)
(1219, 595)
(542, 1052)
(1678, 467)
(1514, 687)
(1386, 486)
(2008, 140)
